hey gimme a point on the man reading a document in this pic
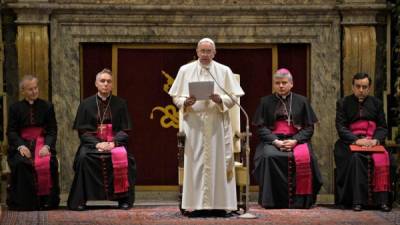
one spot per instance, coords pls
(362, 178)
(209, 186)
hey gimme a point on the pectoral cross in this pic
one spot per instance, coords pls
(101, 127)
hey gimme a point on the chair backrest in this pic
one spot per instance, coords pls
(395, 132)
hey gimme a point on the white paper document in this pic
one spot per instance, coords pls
(201, 89)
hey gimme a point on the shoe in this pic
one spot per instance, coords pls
(80, 208)
(44, 207)
(385, 208)
(218, 213)
(198, 213)
(124, 205)
(357, 208)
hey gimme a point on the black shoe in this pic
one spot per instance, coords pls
(80, 208)
(124, 205)
(385, 208)
(198, 213)
(357, 208)
(218, 213)
(44, 207)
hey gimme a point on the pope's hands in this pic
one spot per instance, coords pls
(216, 98)
(190, 101)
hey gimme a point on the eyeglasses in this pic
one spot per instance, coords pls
(205, 51)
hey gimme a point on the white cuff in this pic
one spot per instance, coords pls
(21, 146)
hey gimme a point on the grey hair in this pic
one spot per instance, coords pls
(26, 78)
(105, 70)
(209, 40)
(284, 75)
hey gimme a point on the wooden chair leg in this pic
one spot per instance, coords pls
(181, 150)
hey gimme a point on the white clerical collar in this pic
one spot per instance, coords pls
(283, 96)
(202, 66)
(102, 97)
(30, 102)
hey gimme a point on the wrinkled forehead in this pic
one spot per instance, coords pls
(205, 45)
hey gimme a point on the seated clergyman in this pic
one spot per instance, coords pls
(362, 178)
(32, 134)
(285, 166)
(104, 168)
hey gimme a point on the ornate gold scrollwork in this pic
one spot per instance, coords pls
(171, 114)
(170, 81)
(170, 117)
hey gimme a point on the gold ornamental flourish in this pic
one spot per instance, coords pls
(171, 115)
(170, 81)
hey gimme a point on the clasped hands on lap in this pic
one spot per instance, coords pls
(285, 145)
(105, 146)
(25, 152)
(366, 142)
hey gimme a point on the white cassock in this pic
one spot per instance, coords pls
(208, 147)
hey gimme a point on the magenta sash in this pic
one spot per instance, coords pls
(301, 157)
(380, 180)
(119, 158)
(41, 164)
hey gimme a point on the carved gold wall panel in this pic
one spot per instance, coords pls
(359, 54)
(33, 54)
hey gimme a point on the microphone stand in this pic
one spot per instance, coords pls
(246, 214)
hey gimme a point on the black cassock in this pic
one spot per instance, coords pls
(21, 193)
(94, 179)
(271, 165)
(352, 186)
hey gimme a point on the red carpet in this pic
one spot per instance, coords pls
(170, 215)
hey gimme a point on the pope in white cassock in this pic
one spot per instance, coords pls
(209, 180)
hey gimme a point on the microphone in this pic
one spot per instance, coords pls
(247, 134)
(230, 96)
